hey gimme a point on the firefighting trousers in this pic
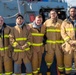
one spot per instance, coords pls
(75, 59)
(54, 50)
(36, 62)
(68, 62)
(22, 57)
(7, 63)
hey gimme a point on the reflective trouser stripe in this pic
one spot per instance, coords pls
(1, 74)
(68, 69)
(18, 50)
(28, 73)
(49, 64)
(8, 73)
(60, 68)
(35, 71)
(38, 69)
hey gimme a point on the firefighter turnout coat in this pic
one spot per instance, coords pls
(5, 51)
(20, 37)
(68, 34)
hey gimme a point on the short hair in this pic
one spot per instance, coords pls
(54, 10)
(39, 16)
(72, 7)
(19, 15)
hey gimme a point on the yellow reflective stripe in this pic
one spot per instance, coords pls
(29, 43)
(61, 41)
(19, 50)
(49, 63)
(66, 38)
(68, 69)
(1, 74)
(8, 73)
(21, 39)
(50, 41)
(54, 42)
(2, 49)
(27, 49)
(37, 44)
(38, 69)
(69, 29)
(37, 34)
(60, 68)
(5, 36)
(35, 71)
(15, 44)
(29, 74)
(53, 30)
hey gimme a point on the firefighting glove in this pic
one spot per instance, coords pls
(65, 48)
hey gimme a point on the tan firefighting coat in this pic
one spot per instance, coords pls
(5, 47)
(20, 37)
(37, 39)
(67, 33)
(5, 51)
(52, 31)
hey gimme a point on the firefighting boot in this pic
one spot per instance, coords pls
(48, 72)
(67, 74)
(74, 74)
(17, 74)
(35, 74)
(62, 74)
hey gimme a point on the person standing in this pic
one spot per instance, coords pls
(68, 33)
(5, 49)
(37, 44)
(20, 40)
(51, 29)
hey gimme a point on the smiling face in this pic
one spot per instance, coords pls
(1, 21)
(38, 20)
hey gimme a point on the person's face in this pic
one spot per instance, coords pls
(1, 21)
(53, 14)
(38, 21)
(19, 20)
(72, 12)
